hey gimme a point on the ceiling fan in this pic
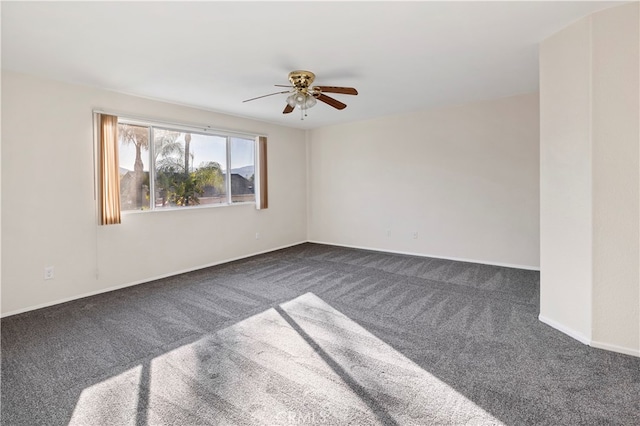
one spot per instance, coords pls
(305, 96)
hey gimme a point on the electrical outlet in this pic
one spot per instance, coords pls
(415, 235)
(48, 272)
(257, 235)
(388, 233)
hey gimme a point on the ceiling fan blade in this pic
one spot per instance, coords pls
(264, 96)
(334, 89)
(330, 101)
(287, 109)
(283, 85)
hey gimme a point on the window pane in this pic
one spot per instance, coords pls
(189, 168)
(133, 154)
(242, 170)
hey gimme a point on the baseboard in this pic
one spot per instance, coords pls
(458, 259)
(616, 348)
(566, 330)
(146, 280)
(121, 286)
(569, 332)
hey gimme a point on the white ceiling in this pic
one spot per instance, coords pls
(401, 56)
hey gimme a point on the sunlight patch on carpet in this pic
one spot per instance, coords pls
(112, 401)
(303, 362)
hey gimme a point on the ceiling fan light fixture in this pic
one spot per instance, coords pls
(310, 102)
(301, 100)
(291, 100)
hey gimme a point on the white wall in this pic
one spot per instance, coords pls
(465, 178)
(49, 211)
(565, 181)
(616, 184)
(590, 179)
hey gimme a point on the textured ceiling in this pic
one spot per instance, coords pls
(401, 56)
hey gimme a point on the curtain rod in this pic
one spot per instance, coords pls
(190, 126)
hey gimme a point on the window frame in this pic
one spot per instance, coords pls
(194, 129)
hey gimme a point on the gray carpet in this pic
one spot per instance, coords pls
(312, 335)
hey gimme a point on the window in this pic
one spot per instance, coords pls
(164, 167)
(243, 175)
(133, 152)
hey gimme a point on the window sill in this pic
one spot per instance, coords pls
(174, 209)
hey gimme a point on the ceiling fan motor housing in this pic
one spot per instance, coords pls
(301, 79)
